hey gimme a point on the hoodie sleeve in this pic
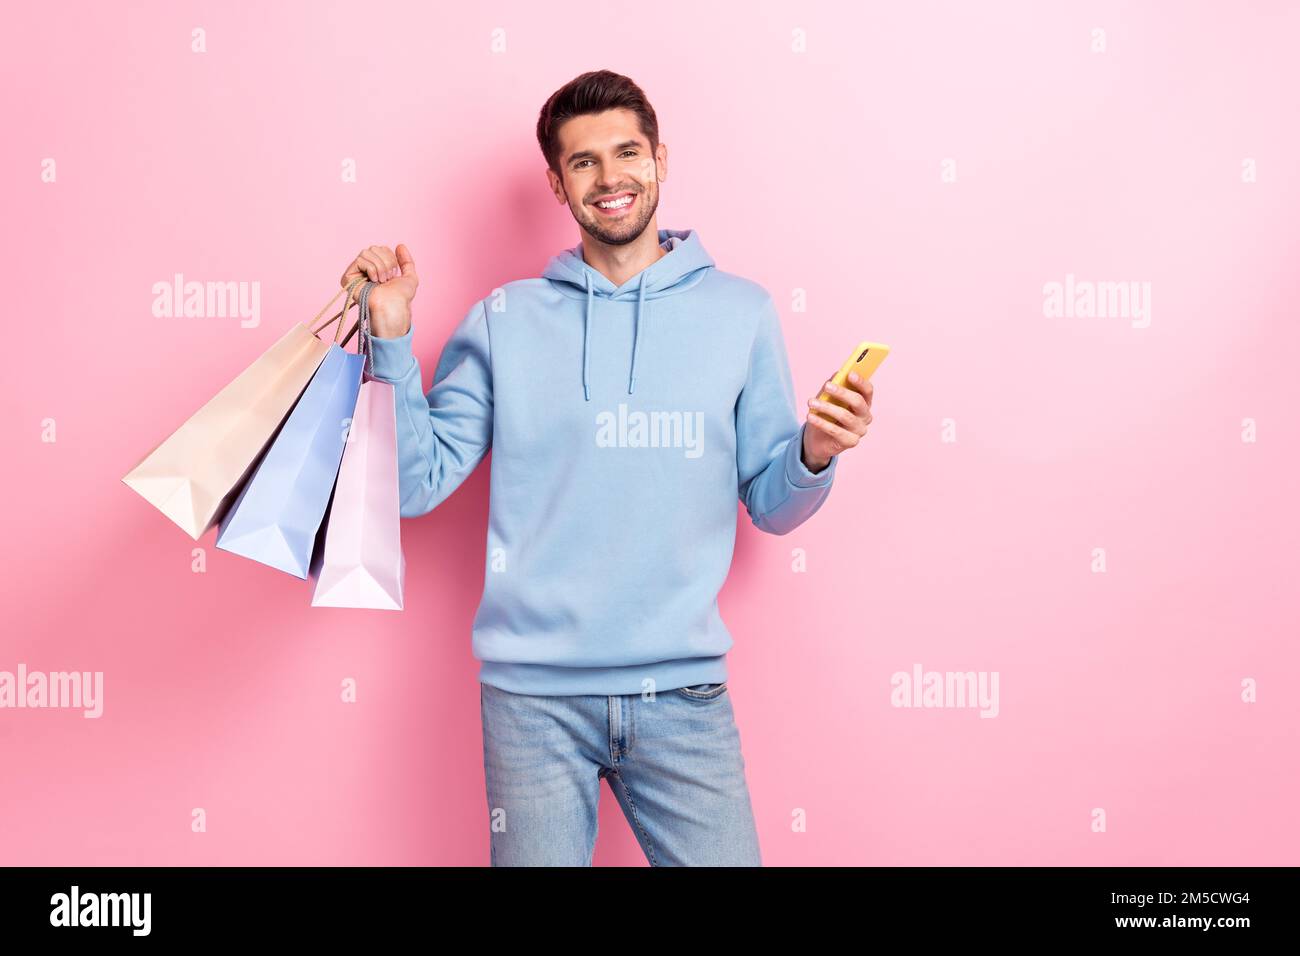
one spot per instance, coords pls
(778, 490)
(444, 433)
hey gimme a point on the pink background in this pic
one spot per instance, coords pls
(817, 171)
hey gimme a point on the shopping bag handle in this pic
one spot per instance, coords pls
(338, 316)
(364, 346)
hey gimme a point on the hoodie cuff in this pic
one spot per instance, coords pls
(393, 358)
(797, 473)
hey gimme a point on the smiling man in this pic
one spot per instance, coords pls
(603, 655)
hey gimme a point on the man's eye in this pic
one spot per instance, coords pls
(627, 152)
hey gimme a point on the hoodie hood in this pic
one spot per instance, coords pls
(685, 264)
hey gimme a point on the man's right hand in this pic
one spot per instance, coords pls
(390, 299)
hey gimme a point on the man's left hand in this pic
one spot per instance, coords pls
(823, 440)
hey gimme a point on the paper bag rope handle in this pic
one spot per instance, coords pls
(338, 316)
(363, 319)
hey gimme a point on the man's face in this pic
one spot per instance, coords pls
(604, 157)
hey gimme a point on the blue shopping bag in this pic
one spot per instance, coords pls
(279, 510)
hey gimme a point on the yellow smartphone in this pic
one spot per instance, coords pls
(866, 358)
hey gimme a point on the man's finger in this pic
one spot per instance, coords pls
(866, 389)
(842, 436)
(842, 415)
(387, 262)
(371, 266)
(406, 262)
(855, 401)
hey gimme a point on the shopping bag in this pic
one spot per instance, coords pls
(361, 564)
(192, 475)
(278, 512)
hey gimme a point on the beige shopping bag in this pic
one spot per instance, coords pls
(195, 473)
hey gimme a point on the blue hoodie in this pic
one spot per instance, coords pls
(625, 424)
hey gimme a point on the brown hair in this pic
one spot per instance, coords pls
(593, 92)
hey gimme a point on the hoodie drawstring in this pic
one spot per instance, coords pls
(636, 331)
(586, 337)
(586, 343)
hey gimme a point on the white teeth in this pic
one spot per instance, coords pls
(616, 203)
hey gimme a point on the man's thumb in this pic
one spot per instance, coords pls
(405, 262)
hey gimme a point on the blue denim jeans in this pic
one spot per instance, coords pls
(673, 763)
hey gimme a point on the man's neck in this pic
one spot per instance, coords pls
(620, 263)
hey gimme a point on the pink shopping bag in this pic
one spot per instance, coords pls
(361, 564)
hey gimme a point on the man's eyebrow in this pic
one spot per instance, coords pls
(589, 154)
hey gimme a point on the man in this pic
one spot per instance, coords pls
(630, 395)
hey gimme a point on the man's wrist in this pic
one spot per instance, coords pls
(813, 464)
(390, 324)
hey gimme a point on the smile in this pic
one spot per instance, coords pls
(615, 205)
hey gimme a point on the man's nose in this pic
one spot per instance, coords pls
(609, 177)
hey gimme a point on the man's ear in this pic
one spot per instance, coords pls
(557, 186)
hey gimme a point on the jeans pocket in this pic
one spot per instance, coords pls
(703, 691)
